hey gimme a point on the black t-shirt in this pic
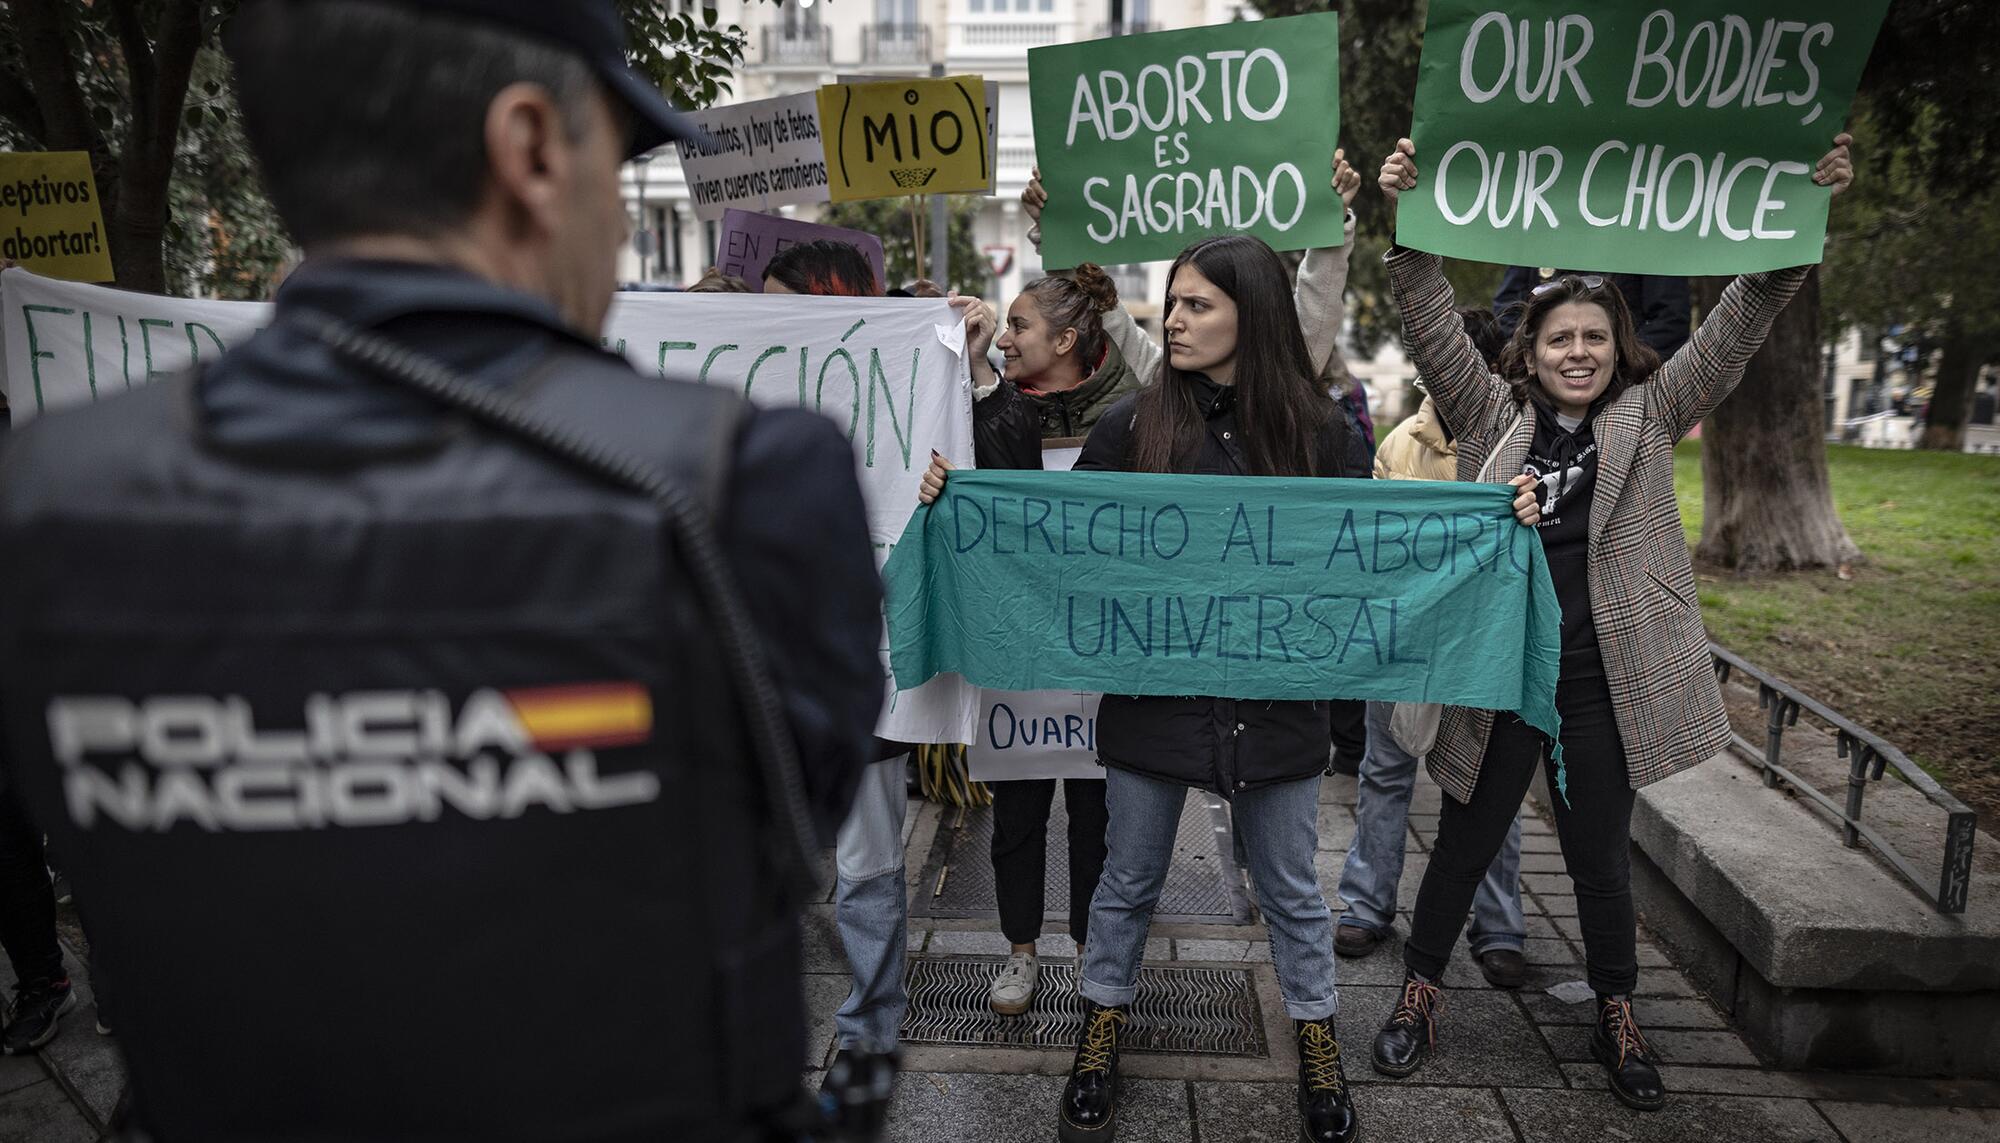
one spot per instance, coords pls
(1563, 458)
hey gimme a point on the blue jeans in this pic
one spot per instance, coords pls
(1280, 830)
(871, 909)
(1375, 857)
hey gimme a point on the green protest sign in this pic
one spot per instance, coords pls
(1265, 588)
(1665, 138)
(1147, 143)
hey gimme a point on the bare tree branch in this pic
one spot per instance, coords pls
(146, 164)
(66, 120)
(18, 105)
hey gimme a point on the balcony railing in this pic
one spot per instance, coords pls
(1014, 156)
(896, 44)
(1132, 281)
(1006, 34)
(1103, 31)
(784, 45)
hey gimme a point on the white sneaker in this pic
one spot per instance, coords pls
(1015, 986)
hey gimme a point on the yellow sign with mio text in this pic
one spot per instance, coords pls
(917, 136)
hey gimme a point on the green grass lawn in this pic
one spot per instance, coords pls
(1909, 647)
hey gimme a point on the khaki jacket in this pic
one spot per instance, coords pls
(1642, 591)
(1417, 449)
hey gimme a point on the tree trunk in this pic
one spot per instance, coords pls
(1957, 382)
(157, 70)
(1766, 503)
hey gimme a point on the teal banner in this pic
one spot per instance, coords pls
(1148, 143)
(1239, 587)
(1661, 138)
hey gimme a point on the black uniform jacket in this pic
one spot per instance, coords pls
(788, 504)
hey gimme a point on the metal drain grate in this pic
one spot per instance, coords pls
(1199, 1011)
(1203, 882)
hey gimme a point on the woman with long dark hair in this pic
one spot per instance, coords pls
(1585, 409)
(1236, 396)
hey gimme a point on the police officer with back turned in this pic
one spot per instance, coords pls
(435, 715)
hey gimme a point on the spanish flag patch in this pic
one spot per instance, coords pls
(584, 714)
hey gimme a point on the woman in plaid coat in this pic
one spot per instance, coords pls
(1583, 408)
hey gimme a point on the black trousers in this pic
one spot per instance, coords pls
(1350, 727)
(1020, 851)
(1594, 826)
(27, 899)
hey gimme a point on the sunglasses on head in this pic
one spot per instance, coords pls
(1590, 282)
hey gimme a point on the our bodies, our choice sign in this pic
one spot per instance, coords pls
(890, 372)
(1147, 143)
(1666, 138)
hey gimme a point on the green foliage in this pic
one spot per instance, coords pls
(889, 219)
(690, 56)
(1909, 644)
(1915, 241)
(218, 234)
(223, 238)
(1905, 248)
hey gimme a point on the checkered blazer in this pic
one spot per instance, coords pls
(1642, 592)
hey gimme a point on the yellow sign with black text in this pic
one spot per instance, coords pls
(49, 216)
(917, 136)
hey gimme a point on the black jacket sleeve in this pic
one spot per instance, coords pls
(1006, 433)
(1107, 448)
(1661, 311)
(796, 534)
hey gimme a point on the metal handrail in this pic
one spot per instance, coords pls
(1868, 757)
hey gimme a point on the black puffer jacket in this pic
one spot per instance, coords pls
(1009, 425)
(1223, 744)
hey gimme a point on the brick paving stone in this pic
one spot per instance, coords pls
(43, 1113)
(1555, 904)
(933, 1106)
(1336, 827)
(1383, 967)
(17, 1072)
(1247, 1112)
(824, 995)
(1544, 884)
(1881, 1123)
(1569, 927)
(1534, 825)
(1594, 1117)
(1542, 862)
(1255, 952)
(1549, 952)
(1338, 789)
(821, 940)
(1653, 1012)
(1390, 1113)
(1664, 982)
(1542, 928)
(1706, 1081)
(1675, 1045)
(1650, 956)
(1539, 842)
(1484, 1039)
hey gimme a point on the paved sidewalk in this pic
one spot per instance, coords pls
(1510, 1066)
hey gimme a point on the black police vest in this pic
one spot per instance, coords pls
(406, 797)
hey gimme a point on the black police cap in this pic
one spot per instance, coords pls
(591, 30)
